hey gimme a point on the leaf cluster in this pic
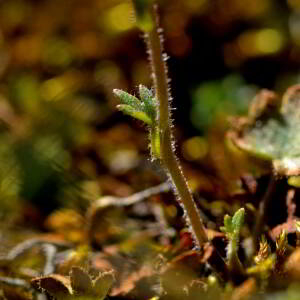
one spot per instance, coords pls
(79, 285)
(143, 109)
(232, 225)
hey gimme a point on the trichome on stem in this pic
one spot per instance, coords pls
(154, 110)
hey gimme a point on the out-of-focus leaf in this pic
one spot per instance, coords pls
(80, 281)
(55, 284)
(14, 293)
(292, 265)
(245, 290)
(58, 53)
(271, 132)
(213, 99)
(69, 223)
(78, 285)
(143, 16)
(103, 283)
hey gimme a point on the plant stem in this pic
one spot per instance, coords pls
(168, 157)
(234, 262)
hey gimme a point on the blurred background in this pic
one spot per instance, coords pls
(62, 141)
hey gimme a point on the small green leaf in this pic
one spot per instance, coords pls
(128, 99)
(227, 228)
(148, 100)
(145, 94)
(140, 115)
(238, 220)
(232, 227)
(272, 131)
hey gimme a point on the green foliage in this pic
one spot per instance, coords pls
(271, 131)
(144, 109)
(53, 105)
(214, 99)
(232, 225)
(232, 228)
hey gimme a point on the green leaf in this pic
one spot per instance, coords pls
(140, 115)
(148, 100)
(128, 99)
(272, 131)
(227, 228)
(232, 225)
(238, 220)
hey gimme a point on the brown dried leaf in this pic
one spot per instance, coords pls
(128, 284)
(54, 284)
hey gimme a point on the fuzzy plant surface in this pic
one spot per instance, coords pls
(232, 228)
(272, 130)
(154, 109)
(143, 109)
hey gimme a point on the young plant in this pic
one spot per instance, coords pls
(154, 110)
(144, 109)
(232, 228)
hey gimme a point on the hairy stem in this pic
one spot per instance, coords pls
(234, 262)
(168, 157)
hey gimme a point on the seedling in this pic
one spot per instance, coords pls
(154, 110)
(144, 109)
(232, 228)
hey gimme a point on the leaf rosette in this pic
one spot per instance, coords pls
(271, 131)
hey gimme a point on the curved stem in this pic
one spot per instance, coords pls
(168, 157)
